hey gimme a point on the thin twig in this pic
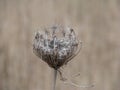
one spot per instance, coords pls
(54, 79)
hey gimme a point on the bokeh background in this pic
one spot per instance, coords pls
(97, 23)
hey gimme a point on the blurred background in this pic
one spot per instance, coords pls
(97, 23)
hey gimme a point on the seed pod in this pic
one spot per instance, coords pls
(56, 46)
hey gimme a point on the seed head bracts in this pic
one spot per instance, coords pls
(56, 45)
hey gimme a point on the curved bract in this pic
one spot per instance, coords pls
(56, 45)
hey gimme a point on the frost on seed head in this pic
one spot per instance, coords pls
(56, 45)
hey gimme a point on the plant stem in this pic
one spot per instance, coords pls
(54, 79)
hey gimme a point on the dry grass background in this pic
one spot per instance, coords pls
(97, 23)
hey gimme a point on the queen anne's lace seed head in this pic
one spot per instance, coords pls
(56, 46)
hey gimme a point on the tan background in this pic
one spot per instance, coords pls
(98, 25)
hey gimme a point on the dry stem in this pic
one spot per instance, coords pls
(54, 79)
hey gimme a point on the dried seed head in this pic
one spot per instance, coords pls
(56, 46)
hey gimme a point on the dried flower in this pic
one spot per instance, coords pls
(56, 46)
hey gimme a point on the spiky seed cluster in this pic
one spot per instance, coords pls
(56, 46)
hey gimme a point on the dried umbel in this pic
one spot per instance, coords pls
(56, 45)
